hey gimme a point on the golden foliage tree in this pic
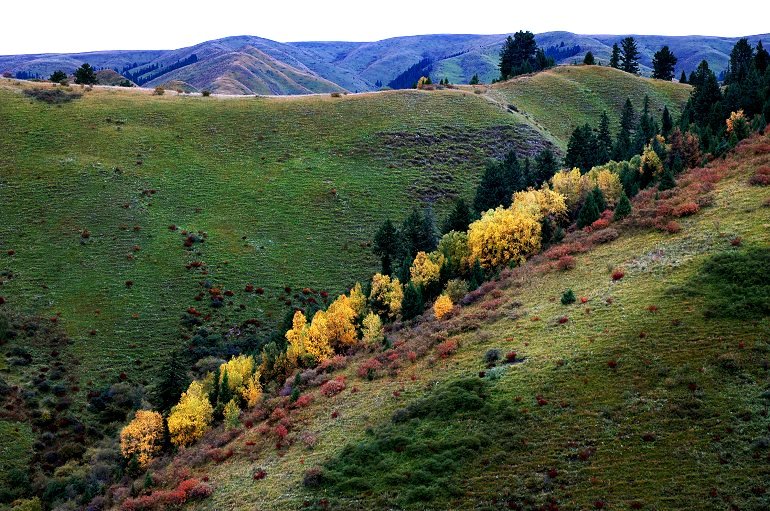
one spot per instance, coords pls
(297, 337)
(540, 203)
(454, 247)
(372, 330)
(386, 295)
(251, 392)
(358, 300)
(503, 235)
(142, 437)
(339, 325)
(442, 306)
(425, 269)
(607, 181)
(569, 183)
(650, 166)
(191, 417)
(231, 414)
(239, 369)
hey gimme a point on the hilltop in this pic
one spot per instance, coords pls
(254, 65)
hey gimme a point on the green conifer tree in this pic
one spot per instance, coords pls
(623, 208)
(589, 213)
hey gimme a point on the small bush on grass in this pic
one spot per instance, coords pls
(568, 297)
(52, 96)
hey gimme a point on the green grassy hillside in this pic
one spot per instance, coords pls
(281, 188)
(648, 393)
(565, 97)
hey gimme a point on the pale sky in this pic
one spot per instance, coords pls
(57, 26)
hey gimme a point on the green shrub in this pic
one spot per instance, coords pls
(568, 297)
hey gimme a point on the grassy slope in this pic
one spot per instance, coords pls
(565, 97)
(694, 384)
(282, 187)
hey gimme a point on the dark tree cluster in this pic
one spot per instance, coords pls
(520, 55)
(504, 177)
(153, 71)
(409, 78)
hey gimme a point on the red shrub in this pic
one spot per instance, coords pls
(369, 368)
(612, 364)
(510, 357)
(278, 414)
(761, 177)
(260, 291)
(541, 401)
(563, 320)
(281, 432)
(201, 491)
(566, 262)
(673, 227)
(260, 474)
(333, 387)
(187, 485)
(686, 209)
(736, 242)
(11, 252)
(219, 455)
(303, 400)
(446, 348)
(332, 364)
(618, 274)
(583, 299)
(604, 236)
(412, 356)
(602, 223)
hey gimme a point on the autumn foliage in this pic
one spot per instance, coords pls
(142, 437)
(191, 418)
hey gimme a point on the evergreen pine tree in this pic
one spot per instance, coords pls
(528, 173)
(546, 165)
(663, 63)
(474, 79)
(173, 382)
(615, 58)
(667, 124)
(225, 392)
(386, 246)
(629, 56)
(603, 141)
(601, 202)
(589, 213)
(477, 276)
(412, 305)
(411, 234)
(667, 181)
(403, 272)
(683, 78)
(581, 149)
(428, 231)
(492, 190)
(214, 395)
(589, 59)
(85, 75)
(459, 218)
(623, 208)
(57, 76)
(761, 59)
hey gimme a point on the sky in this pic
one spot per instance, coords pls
(56, 26)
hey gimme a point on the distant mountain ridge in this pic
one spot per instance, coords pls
(254, 65)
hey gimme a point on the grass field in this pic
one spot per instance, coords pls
(289, 192)
(637, 401)
(562, 98)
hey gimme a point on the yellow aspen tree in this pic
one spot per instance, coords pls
(142, 437)
(372, 330)
(231, 414)
(252, 390)
(424, 270)
(318, 341)
(191, 417)
(297, 338)
(540, 203)
(442, 306)
(340, 323)
(503, 235)
(358, 300)
(569, 183)
(239, 369)
(386, 295)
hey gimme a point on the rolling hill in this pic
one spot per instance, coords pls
(229, 65)
(123, 210)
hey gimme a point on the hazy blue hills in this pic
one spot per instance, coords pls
(254, 65)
